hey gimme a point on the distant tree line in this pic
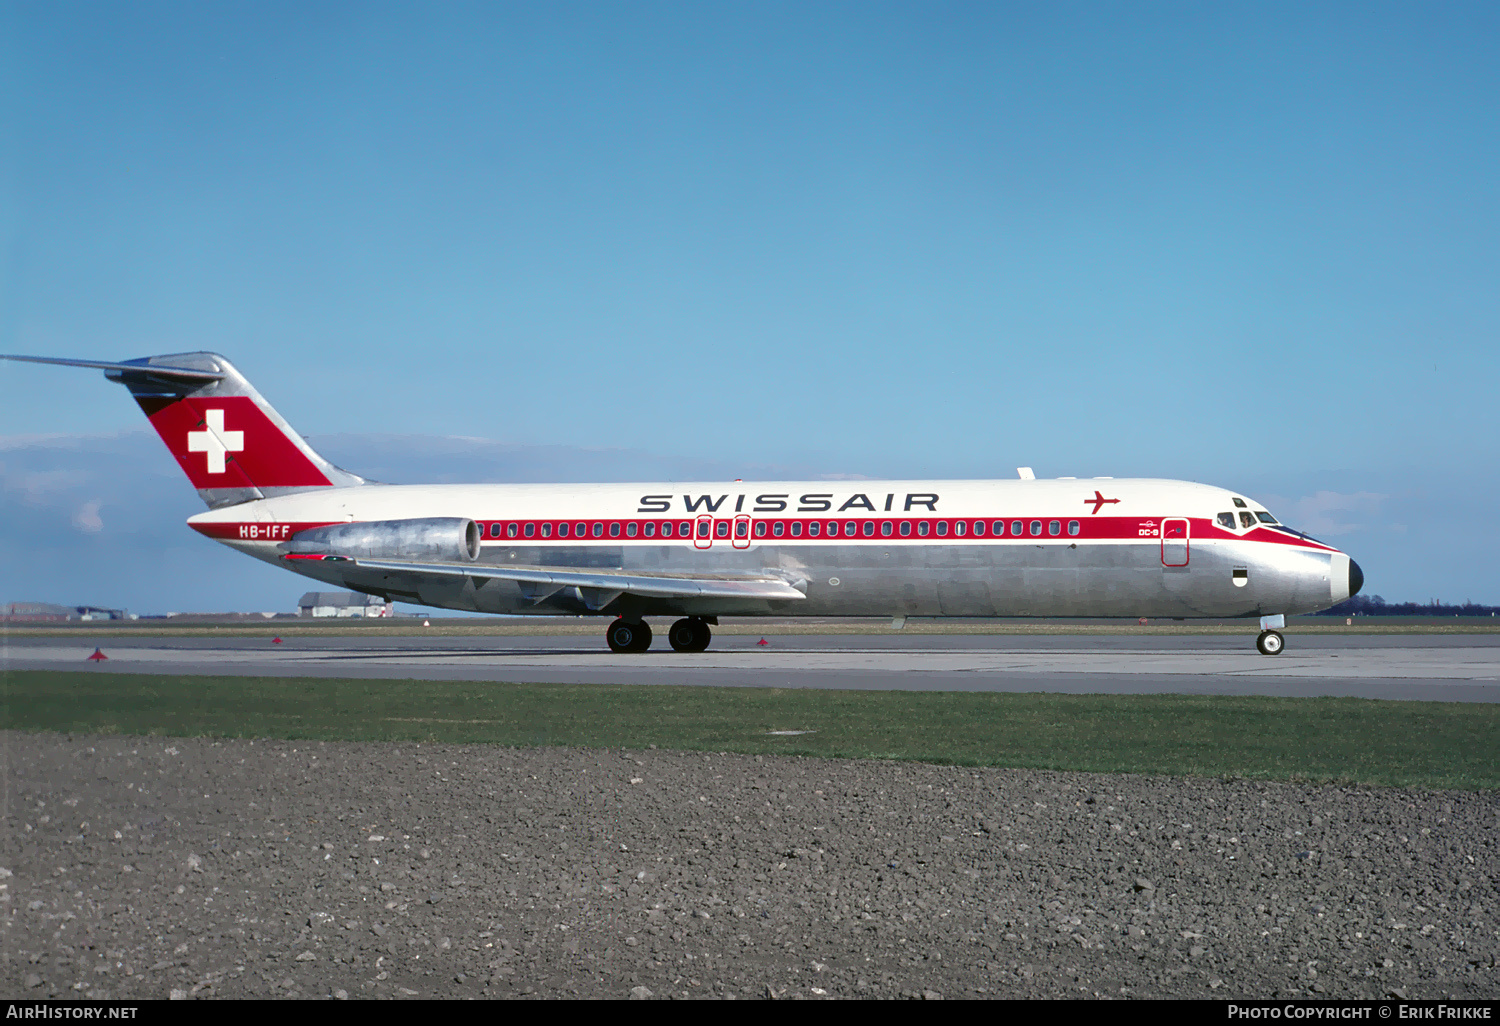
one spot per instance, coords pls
(1374, 605)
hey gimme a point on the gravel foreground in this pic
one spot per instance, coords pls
(138, 867)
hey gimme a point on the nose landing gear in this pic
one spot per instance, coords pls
(1270, 643)
(625, 636)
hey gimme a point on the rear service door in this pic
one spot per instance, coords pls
(1174, 542)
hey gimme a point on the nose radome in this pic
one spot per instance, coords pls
(1356, 578)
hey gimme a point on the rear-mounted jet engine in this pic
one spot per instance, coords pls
(450, 539)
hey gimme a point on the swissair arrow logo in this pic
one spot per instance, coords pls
(214, 441)
(1098, 500)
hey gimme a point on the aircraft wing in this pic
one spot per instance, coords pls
(596, 587)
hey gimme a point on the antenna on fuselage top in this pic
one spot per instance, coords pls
(1025, 473)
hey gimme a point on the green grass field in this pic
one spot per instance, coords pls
(1353, 740)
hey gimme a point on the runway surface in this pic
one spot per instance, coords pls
(1457, 668)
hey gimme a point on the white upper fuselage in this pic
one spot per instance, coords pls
(1099, 546)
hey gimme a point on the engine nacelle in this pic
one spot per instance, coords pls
(449, 539)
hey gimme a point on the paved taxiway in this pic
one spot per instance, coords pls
(1462, 668)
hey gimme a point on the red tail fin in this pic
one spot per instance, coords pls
(230, 442)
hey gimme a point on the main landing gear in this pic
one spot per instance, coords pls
(627, 636)
(690, 634)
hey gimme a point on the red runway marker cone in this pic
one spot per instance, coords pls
(98, 657)
(762, 641)
(275, 641)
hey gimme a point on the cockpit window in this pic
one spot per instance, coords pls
(1240, 503)
(1226, 520)
(1265, 517)
(1246, 520)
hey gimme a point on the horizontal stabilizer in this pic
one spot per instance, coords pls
(133, 367)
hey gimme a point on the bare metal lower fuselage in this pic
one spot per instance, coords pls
(998, 579)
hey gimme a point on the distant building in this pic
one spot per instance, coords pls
(342, 603)
(46, 612)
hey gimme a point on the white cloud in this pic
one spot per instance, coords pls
(86, 519)
(36, 485)
(1334, 513)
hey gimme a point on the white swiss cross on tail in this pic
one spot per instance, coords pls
(215, 441)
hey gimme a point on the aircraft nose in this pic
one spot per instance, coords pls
(1356, 578)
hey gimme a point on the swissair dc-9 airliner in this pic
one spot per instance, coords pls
(1103, 547)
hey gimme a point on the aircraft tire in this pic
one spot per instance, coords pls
(704, 636)
(689, 635)
(624, 636)
(643, 636)
(1270, 643)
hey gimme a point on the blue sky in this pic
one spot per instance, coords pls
(1249, 244)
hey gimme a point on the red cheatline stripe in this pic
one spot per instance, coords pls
(1140, 529)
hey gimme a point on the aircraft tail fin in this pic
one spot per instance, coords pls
(230, 442)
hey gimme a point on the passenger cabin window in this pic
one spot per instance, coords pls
(581, 530)
(760, 529)
(1036, 527)
(703, 529)
(546, 530)
(685, 529)
(721, 529)
(812, 529)
(529, 531)
(850, 529)
(742, 529)
(1073, 527)
(630, 530)
(869, 529)
(648, 529)
(510, 530)
(494, 530)
(942, 528)
(666, 529)
(998, 528)
(922, 528)
(1016, 527)
(978, 528)
(1226, 520)
(906, 528)
(778, 528)
(959, 527)
(886, 529)
(1054, 528)
(598, 530)
(1246, 520)
(797, 529)
(562, 530)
